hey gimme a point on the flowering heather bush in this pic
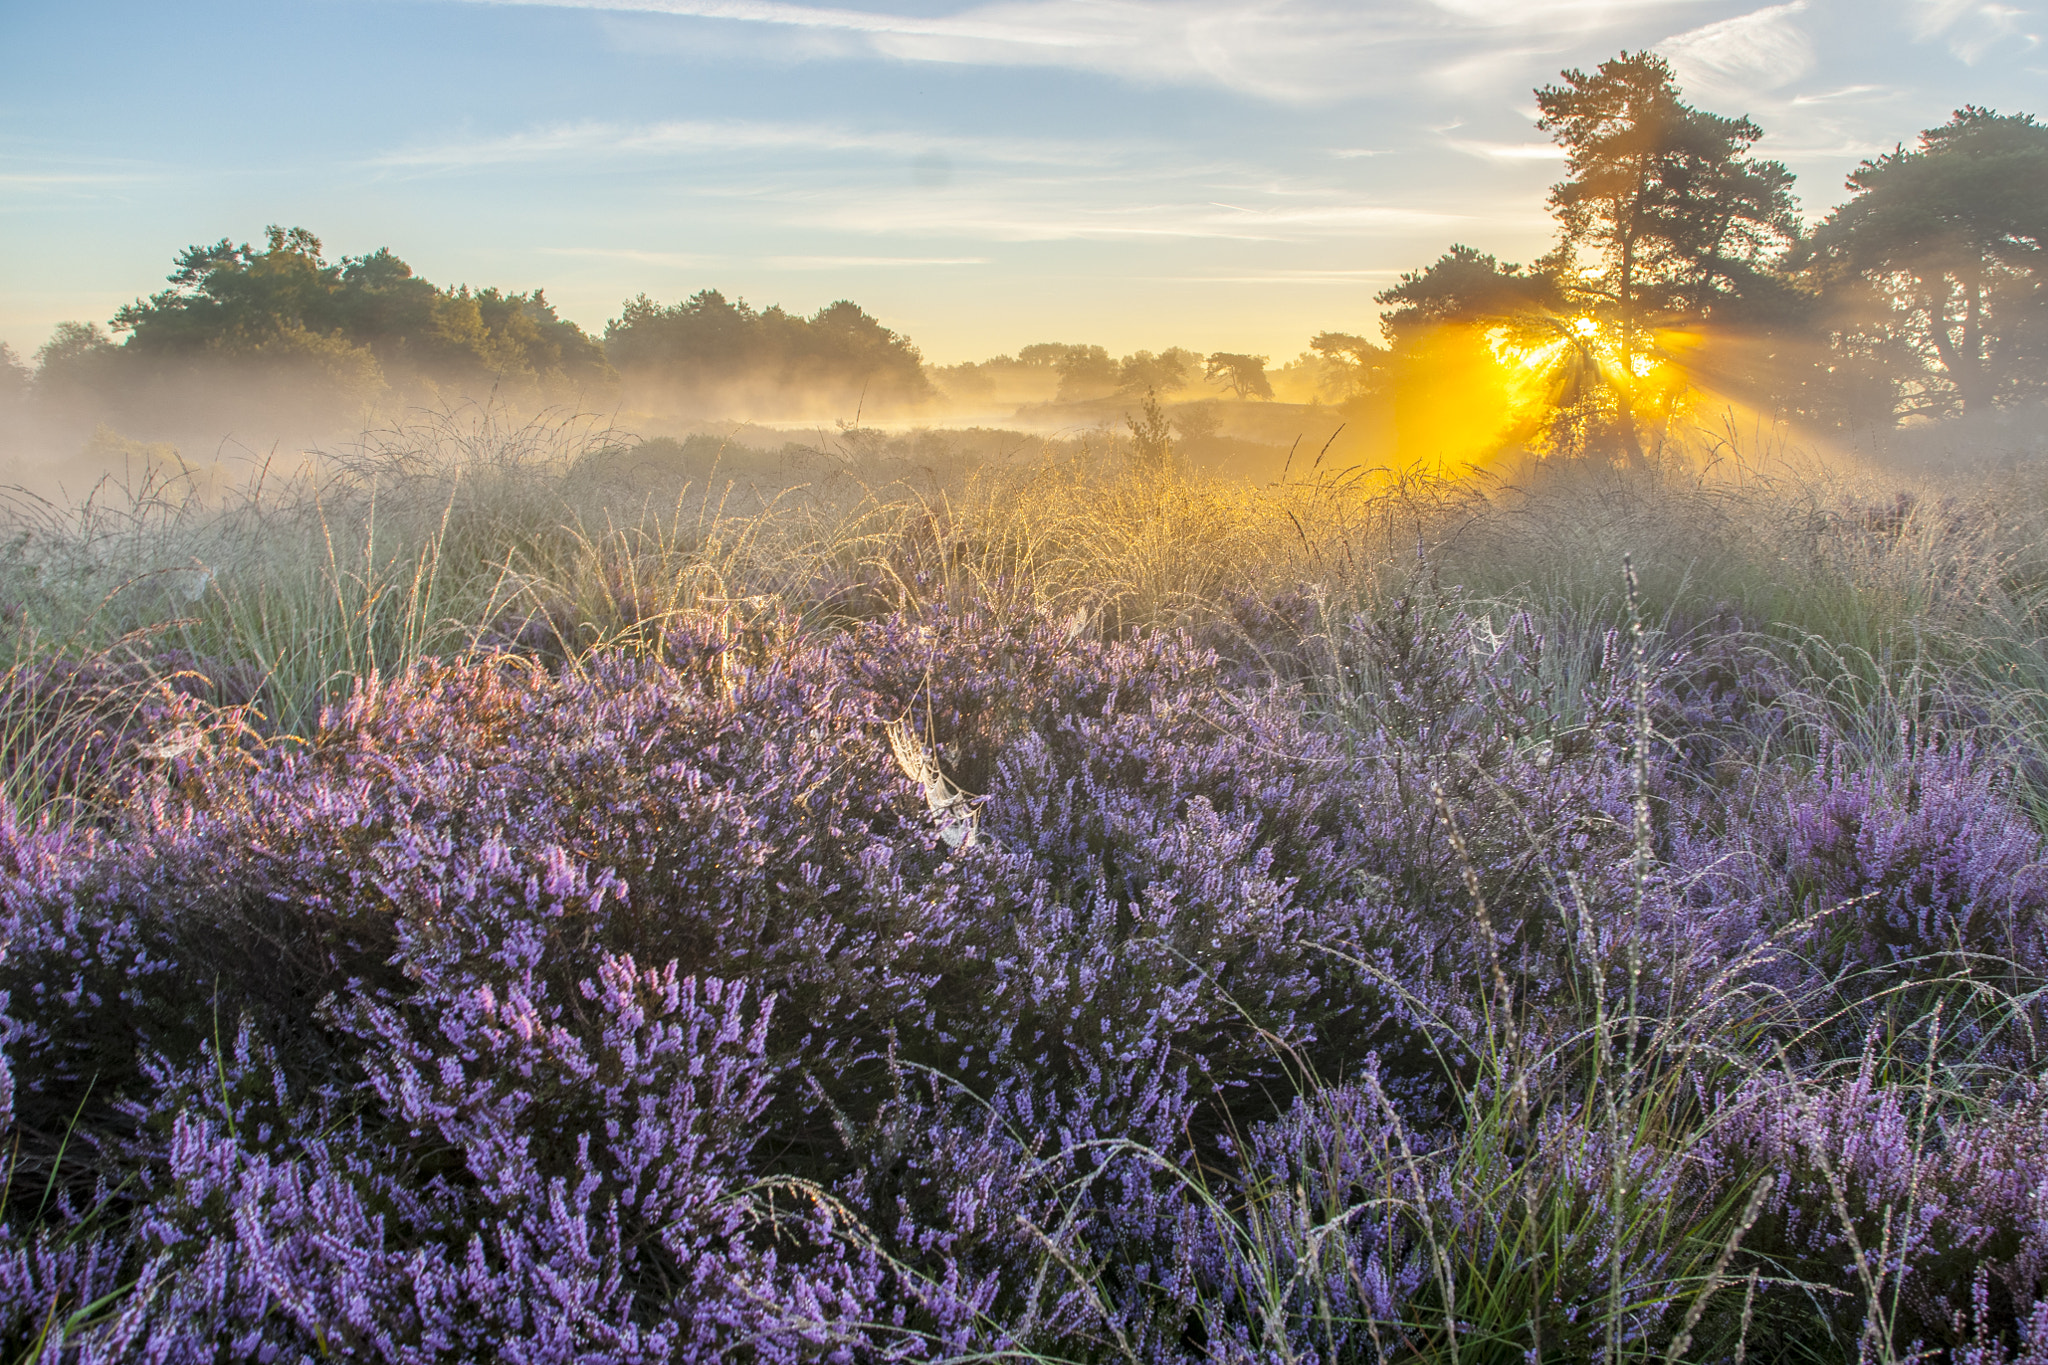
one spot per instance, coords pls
(1370, 998)
(1938, 879)
(1878, 1193)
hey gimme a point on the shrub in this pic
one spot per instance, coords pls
(1379, 999)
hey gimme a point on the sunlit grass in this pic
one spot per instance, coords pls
(470, 529)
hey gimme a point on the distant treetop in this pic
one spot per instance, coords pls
(709, 340)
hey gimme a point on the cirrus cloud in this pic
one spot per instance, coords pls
(1752, 52)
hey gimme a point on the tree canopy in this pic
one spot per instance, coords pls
(1662, 209)
(1935, 266)
(1243, 375)
(1664, 222)
(1465, 286)
(710, 340)
(1351, 365)
(1144, 372)
(14, 377)
(75, 359)
(358, 322)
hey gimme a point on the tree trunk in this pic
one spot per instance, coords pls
(1960, 357)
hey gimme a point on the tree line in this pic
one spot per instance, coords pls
(355, 328)
(1085, 374)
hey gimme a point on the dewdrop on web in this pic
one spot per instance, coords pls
(956, 814)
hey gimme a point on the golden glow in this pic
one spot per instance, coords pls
(1476, 398)
(1512, 351)
(1467, 395)
(1464, 394)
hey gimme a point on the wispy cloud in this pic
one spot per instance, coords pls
(864, 262)
(1510, 151)
(692, 260)
(1752, 52)
(1030, 214)
(1309, 277)
(40, 176)
(1551, 14)
(1829, 145)
(1972, 28)
(885, 183)
(64, 179)
(1281, 50)
(676, 260)
(701, 138)
(1847, 92)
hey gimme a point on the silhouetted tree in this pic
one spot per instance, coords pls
(1662, 203)
(1085, 371)
(1934, 269)
(1142, 371)
(1244, 375)
(1151, 436)
(1675, 216)
(14, 378)
(228, 298)
(1359, 362)
(1051, 355)
(1466, 286)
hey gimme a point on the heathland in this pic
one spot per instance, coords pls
(517, 888)
(534, 886)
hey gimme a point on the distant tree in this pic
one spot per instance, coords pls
(704, 331)
(997, 381)
(1244, 375)
(1466, 286)
(1086, 372)
(352, 322)
(490, 333)
(710, 340)
(1344, 348)
(1352, 365)
(1934, 270)
(1197, 421)
(1144, 372)
(14, 378)
(1531, 306)
(382, 304)
(230, 299)
(843, 333)
(1047, 355)
(76, 360)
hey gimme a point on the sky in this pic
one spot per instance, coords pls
(1133, 173)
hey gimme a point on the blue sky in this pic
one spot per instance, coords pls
(1138, 173)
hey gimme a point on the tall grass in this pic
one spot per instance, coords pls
(1635, 1135)
(470, 527)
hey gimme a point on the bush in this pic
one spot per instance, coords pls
(1346, 980)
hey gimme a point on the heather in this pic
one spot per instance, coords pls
(523, 893)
